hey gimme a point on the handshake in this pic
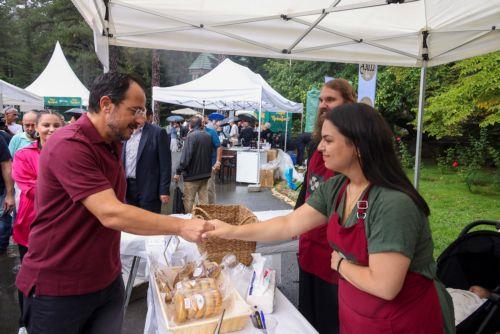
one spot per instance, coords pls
(198, 230)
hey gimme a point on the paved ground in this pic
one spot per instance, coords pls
(228, 193)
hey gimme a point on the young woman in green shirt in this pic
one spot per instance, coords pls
(377, 227)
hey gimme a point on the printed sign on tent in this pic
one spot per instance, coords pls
(367, 83)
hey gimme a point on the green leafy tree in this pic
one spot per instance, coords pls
(470, 102)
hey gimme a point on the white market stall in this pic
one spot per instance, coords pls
(185, 112)
(59, 80)
(231, 86)
(416, 33)
(15, 96)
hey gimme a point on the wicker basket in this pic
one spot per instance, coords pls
(217, 248)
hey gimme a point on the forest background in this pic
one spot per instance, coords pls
(462, 113)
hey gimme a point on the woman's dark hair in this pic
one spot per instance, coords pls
(111, 84)
(374, 141)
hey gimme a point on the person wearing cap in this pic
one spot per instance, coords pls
(11, 115)
(71, 275)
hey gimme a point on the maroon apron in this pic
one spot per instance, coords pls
(314, 250)
(416, 309)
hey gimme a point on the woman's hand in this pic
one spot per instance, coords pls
(335, 260)
(221, 230)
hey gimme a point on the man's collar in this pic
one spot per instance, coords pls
(89, 130)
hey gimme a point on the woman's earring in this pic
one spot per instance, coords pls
(37, 135)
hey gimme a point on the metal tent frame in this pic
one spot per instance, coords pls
(104, 34)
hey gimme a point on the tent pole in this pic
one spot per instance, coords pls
(1, 101)
(258, 139)
(421, 100)
(286, 131)
(301, 121)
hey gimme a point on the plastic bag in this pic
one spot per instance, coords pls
(239, 274)
(262, 285)
(197, 304)
(285, 164)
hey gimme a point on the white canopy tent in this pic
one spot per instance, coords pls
(417, 33)
(58, 79)
(229, 86)
(13, 95)
(185, 111)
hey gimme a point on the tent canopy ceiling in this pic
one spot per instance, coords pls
(59, 80)
(13, 95)
(185, 111)
(351, 31)
(229, 86)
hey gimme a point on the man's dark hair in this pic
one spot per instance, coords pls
(195, 122)
(111, 84)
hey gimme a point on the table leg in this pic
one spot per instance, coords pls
(130, 283)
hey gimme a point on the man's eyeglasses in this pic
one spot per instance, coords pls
(139, 111)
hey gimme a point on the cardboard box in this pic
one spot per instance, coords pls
(272, 155)
(267, 178)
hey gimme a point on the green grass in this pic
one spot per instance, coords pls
(453, 206)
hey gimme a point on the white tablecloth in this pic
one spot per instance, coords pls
(289, 319)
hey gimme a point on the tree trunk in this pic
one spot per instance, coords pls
(155, 81)
(113, 58)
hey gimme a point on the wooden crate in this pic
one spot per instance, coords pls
(235, 318)
(267, 178)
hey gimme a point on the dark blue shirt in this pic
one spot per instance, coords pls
(4, 156)
(215, 143)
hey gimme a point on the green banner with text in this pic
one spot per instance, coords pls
(51, 101)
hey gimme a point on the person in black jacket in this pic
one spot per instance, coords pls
(247, 134)
(196, 163)
(147, 160)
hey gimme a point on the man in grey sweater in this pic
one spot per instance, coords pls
(196, 163)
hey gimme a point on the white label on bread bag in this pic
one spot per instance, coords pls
(200, 301)
(197, 272)
(187, 303)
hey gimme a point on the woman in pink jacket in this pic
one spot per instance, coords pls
(25, 172)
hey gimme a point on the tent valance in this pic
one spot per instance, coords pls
(384, 32)
(13, 95)
(229, 86)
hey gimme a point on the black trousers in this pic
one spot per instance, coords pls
(133, 197)
(99, 312)
(318, 303)
(22, 252)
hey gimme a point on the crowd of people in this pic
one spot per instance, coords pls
(365, 246)
(236, 132)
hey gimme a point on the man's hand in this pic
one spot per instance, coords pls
(192, 229)
(219, 230)
(8, 204)
(176, 178)
(216, 166)
(164, 198)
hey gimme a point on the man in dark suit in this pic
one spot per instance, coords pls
(147, 161)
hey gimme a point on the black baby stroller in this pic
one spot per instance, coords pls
(474, 259)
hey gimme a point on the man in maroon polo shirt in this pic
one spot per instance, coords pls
(71, 275)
